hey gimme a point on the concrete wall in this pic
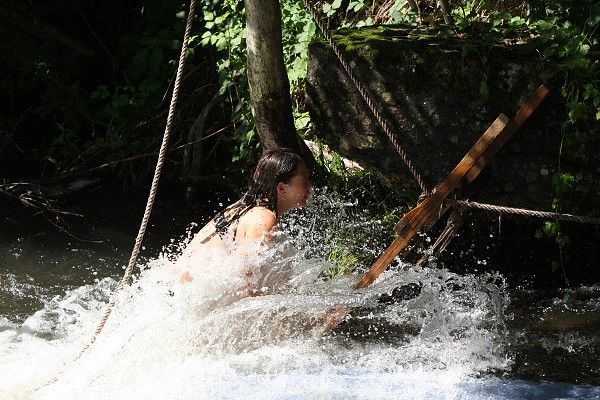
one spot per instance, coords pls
(434, 98)
(439, 99)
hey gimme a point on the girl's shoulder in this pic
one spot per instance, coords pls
(257, 222)
(260, 214)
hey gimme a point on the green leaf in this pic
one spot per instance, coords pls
(562, 240)
(542, 25)
(556, 204)
(209, 16)
(578, 111)
(550, 51)
(562, 182)
(584, 49)
(302, 120)
(551, 228)
(236, 41)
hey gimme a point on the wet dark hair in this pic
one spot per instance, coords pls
(279, 165)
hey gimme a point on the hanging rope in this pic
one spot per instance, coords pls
(363, 92)
(161, 157)
(523, 212)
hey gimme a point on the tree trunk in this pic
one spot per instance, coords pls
(270, 99)
(269, 85)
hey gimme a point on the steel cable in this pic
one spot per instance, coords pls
(524, 212)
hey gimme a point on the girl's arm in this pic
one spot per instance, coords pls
(257, 224)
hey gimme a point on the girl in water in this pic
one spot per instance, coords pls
(280, 183)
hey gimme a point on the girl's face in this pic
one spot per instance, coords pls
(294, 193)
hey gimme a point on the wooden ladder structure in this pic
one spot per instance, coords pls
(428, 212)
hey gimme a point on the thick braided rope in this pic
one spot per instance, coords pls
(161, 157)
(363, 92)
(524, 212)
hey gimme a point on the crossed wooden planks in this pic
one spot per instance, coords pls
(463, 174)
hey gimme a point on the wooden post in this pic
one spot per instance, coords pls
(463, 174)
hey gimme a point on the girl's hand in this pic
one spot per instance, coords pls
(186, 277)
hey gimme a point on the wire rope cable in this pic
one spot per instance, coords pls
(524, 212)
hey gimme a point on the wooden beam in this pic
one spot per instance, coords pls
(464, 173)
(499, 123)
(502, 121)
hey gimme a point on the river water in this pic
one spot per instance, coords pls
(414, 334)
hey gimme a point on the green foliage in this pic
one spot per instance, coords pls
(97, 99)
(564, 33)
(563, 183)
(224, 30)
(552, 230)
(224, 26)
(343, 262)
(347, 241)
(569, 33)
(361, 185)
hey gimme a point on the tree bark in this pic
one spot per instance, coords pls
(269, 85)
(270, 99)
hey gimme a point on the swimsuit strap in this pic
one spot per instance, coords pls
(222, 224)
(237, 223)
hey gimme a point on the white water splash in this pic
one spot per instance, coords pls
(206, 340)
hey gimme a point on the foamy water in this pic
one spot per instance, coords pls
(207, 340)
(204, 339)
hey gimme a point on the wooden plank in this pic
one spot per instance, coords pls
(484, 149)
(513, 125)
(414, 220)
(499, 123)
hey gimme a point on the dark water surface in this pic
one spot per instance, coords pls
(40, 261)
